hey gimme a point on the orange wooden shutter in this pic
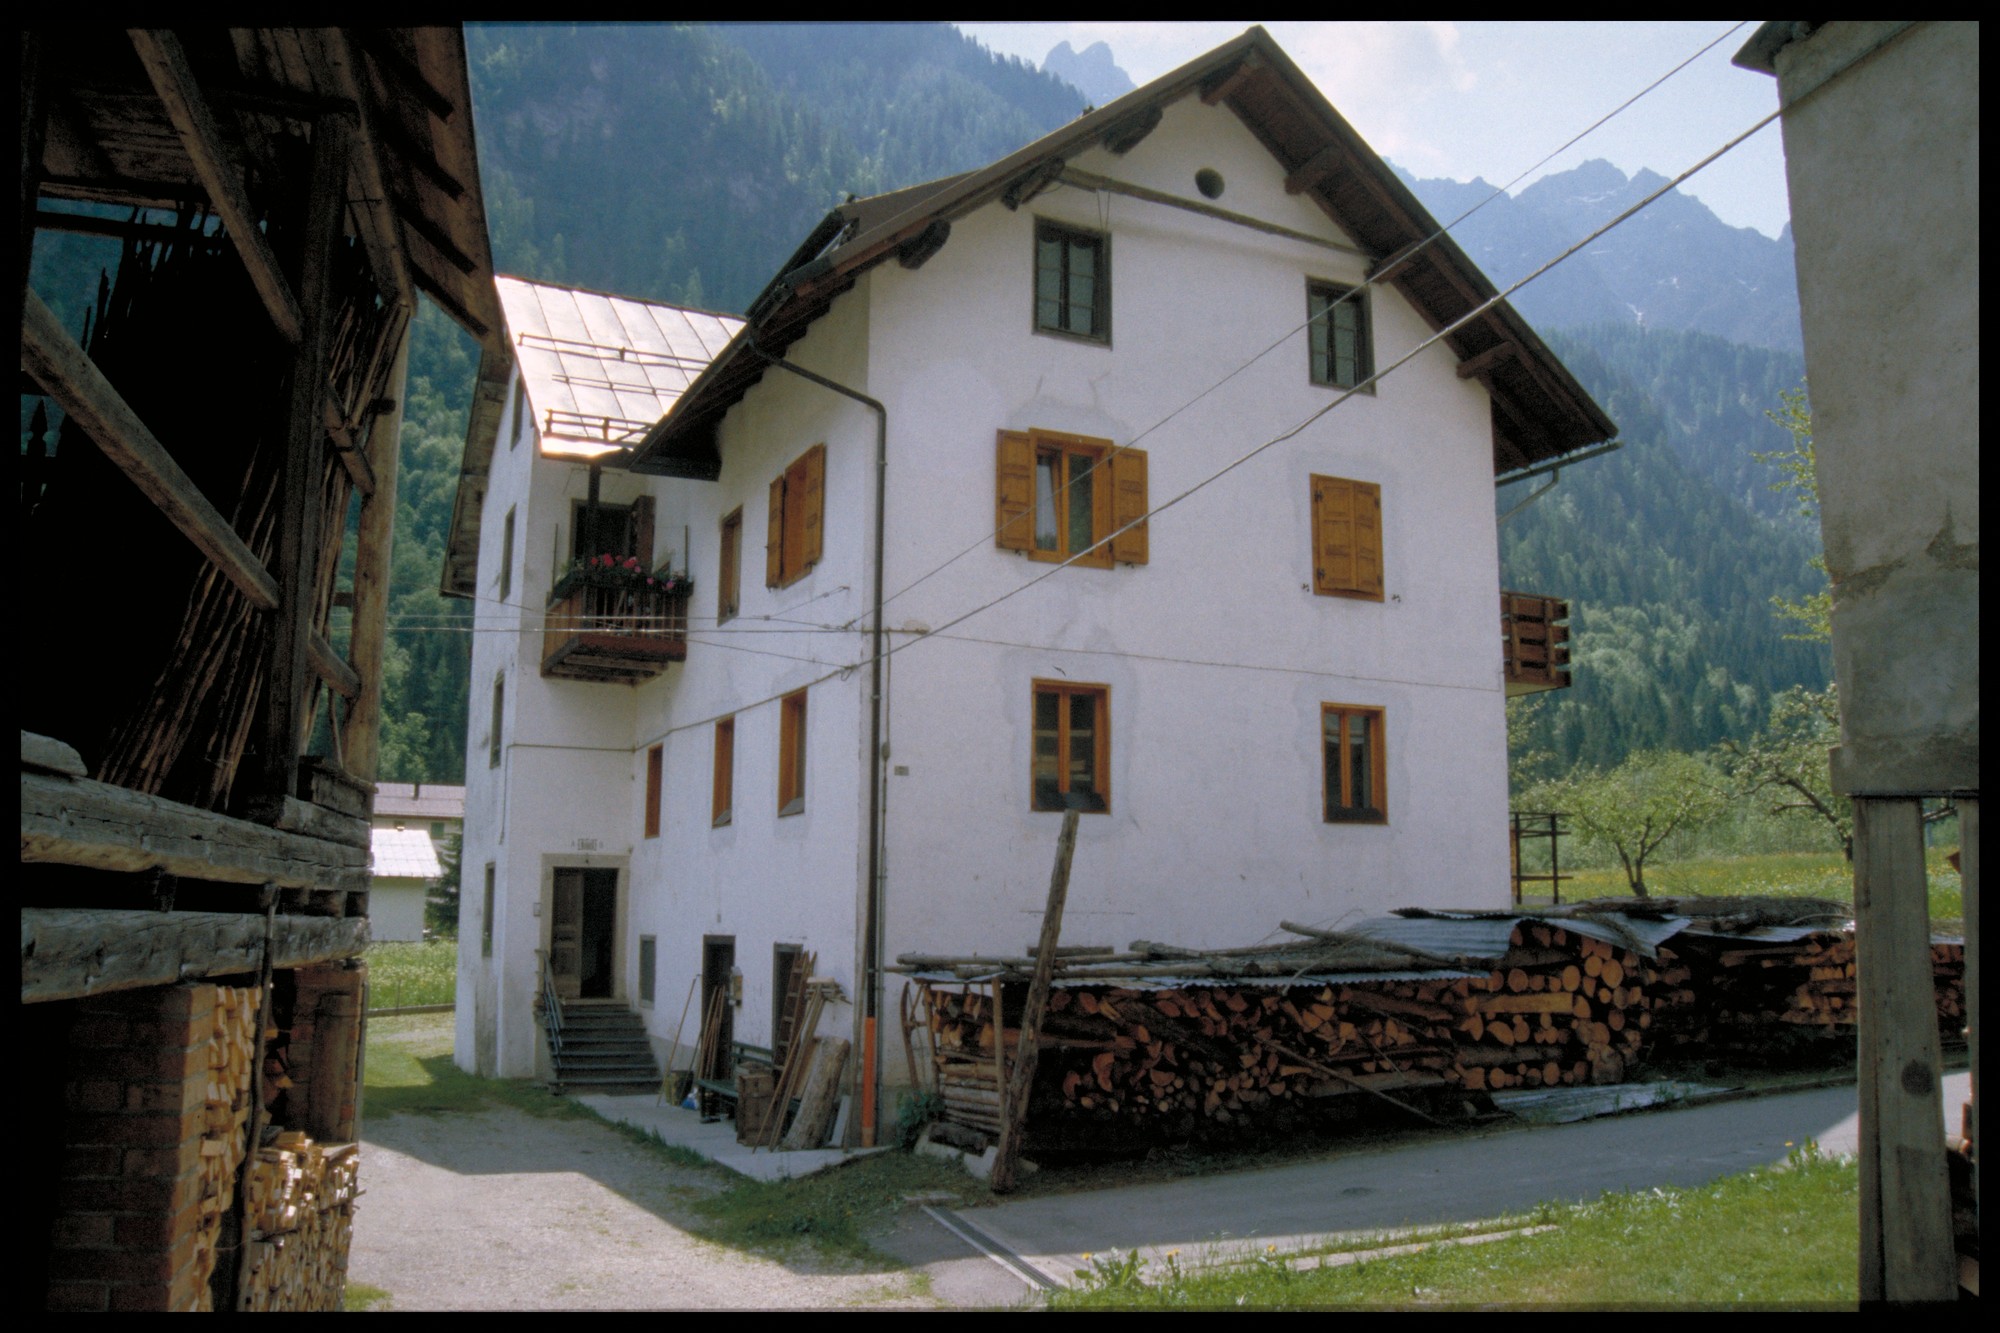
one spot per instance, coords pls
(774, 544)
(642, 530)
(1014, 492)
(814, 499)
(1367, 538)
(1333, 535)
(1128, 501)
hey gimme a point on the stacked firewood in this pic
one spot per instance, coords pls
(232, 1050)
(1558, 1008)
(1740, 996)
(300, 1220)
(962, 1025)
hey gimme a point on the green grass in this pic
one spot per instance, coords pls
(361, 1296)
(409, 1072)
(1786, 1236)
(1770, 874)
(403, 974)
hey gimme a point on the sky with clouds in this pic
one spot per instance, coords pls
(1491, 99)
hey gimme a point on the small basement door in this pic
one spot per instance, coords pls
(583, 932)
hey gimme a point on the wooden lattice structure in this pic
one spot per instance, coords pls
(279, 198)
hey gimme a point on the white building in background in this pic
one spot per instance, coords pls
(410, 835)
(1270, 673)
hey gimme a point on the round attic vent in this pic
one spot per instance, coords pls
(1209, 181)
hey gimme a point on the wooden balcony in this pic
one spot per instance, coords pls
(599, 627)
(1534, 636)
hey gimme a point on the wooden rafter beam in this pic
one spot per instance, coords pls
(450, 304)
(348, 450)
(68, 952)
(377, 214)
(1484, 363)
(327, 664)
(1315, 169)
(173, 79)
(418, 158)
(433, 235)
(399, 69)
(68, 374)
(1228, 84)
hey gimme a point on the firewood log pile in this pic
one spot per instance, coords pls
(300, 1220)
(1161, 1040)
(232, 1050)
(1746, 997)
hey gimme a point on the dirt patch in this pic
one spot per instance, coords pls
(497, 1210)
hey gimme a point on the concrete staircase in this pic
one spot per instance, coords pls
(603, 1047)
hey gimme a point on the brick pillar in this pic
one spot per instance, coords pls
(128, 1193)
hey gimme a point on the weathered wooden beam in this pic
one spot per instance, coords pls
(1090, 180)
(1906, 1239)
(1228, 84)
(173, 79)
(316, 821)
(413, 216)
(367, 639)
(352, 459)
(68, 953)
(1315, 169)
(66, 371)
(377, 216)
(51, 756)
(1014, 1104)
(81, 822)
(327, 664)
(399, 70)
(417, 157)
(449, 303)
(1485, 361)
(283, 714)
(1128, 134)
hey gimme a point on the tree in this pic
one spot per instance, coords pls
(1800, 468)
(1641, 803)
(1787, 762)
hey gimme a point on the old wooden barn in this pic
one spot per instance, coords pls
(197, 756)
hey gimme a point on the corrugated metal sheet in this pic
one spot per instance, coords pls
(1487, 936)
(1192, 983)
(600, 369)
(403, 854)
(1772, 934)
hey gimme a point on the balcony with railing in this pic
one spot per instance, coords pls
(1534, 636)
(610, 624)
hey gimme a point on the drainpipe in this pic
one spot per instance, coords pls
(870, 943)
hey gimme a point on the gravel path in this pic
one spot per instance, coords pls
(500, 1210)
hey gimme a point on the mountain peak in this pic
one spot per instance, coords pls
(1092, 70)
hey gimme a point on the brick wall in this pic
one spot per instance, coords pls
(127, 1203)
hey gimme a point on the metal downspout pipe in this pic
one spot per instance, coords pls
(871, 936)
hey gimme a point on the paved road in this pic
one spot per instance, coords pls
(1491, 1174)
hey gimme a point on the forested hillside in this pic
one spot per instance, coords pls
(684, 163)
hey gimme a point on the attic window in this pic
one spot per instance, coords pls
(1072, 282)
(1209, 181)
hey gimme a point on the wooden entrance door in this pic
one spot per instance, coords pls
(583, 932)
(718, 960)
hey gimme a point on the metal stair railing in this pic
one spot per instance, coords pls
(552, 1013)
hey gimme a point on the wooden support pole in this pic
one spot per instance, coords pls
(1906, 1244)
(299, 515)
(1968, 872)
(367, 644)
(1015, 1101)
(173, 79)
(66, 371)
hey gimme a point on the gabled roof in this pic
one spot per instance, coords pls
(419, 800)
(403, 854)
(599, 370)
(1540, 412)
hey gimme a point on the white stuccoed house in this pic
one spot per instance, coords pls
(1039, 425)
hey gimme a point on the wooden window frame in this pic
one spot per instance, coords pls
(792, 754)
(721, 810)
(1117, 497)
(1067, 236)
(507, 555)
(655, 781)
(1336, 766)
(493, 745)
(1355, 569)
(1321, 348)
(1063, 691)
(486, 914)
(729, 568)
